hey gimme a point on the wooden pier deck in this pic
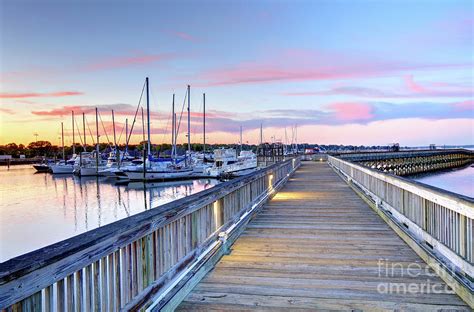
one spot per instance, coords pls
(317, 245)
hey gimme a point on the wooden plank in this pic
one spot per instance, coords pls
(79, 293)
(60, 301)
(96, 283)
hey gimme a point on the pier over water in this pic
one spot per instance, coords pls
(295, 235)
(317, 245)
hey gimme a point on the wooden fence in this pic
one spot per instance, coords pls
(132, 262)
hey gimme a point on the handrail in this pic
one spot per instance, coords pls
(108, 267)
(441, 219)
(358, 156)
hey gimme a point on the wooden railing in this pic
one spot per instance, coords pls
(438, 219)
(132, 262)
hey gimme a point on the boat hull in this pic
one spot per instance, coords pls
(41, 168)
(88, 171)
(62, 169)
(159, 175)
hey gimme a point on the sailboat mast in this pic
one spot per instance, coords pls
(296, 138)
(189, 119)
(261, 134)
(240, 141)
(126, 134)
(97, 133)
(148, 115)
(204, 124)
(62, 140)
(73, 139)
(84, 130)
(173, 145)
(175, 135)
(143, 141)
(113, 125)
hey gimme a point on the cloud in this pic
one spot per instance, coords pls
(412, 90)
(183, 35)
(464, 106)
(302, 65)
(412, 85)
(7, 111)
(352, 111)
(119, 109)
(126, 61)
(35, 94)
(337, 113)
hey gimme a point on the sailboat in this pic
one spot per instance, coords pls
(117, 159)
(157, 169)
(89, 164)
(202, 162)
(65, 166)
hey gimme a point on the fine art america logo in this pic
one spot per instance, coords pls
(398, 275)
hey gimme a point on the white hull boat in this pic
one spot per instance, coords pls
(161, 175)
(62, 168)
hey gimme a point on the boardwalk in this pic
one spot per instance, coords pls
(317, 245)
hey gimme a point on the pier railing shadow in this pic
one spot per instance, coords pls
(144, 259)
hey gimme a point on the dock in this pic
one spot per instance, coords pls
(318, 245)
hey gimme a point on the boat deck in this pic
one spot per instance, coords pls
(317, 245)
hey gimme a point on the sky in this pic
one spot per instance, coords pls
(328, 72)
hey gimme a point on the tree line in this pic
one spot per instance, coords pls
(46, 149)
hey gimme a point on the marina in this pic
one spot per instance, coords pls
(33, 204)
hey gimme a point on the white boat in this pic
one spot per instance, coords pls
(226, 163)
(165, 174)
(86, 164)
(63, 167)
(113, 167)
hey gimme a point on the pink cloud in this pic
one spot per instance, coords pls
(415, 90)
(412, 85)
(183, 35)
(118, 62)
(352, 111)
(464, 106)
(33, 94)
(304, 65)
(7, 111)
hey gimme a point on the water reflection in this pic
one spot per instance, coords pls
(39, 209)
(459, 180)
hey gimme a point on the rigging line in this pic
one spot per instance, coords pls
(135, 117)
(200, 110)
(90, 132)
(120, 136)
(79, 132)
(167, 122)
(103, 127)
(181, 115)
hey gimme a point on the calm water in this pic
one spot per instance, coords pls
(459, 181)
(38, 209)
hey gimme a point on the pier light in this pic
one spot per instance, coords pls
(216, 212)
(270, 181)
(294, 160)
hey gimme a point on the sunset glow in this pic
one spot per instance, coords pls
(345, 72)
